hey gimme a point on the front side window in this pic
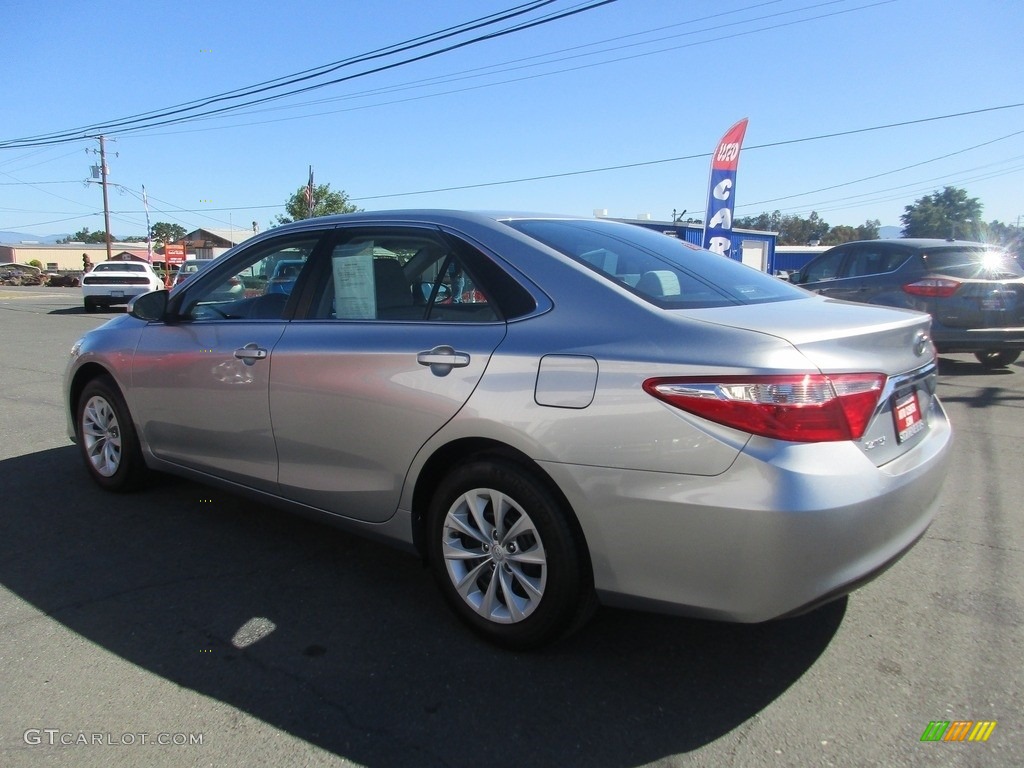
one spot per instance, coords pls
(825, 267)
(256, 287)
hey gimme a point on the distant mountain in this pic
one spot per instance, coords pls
(887, 233)
(13, 238)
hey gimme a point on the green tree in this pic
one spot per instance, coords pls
(163, 233)
(949, 213)
(796, 230)
(85, 236)
(765, 222)
(868, 230)
(325, 202)
(843, 233)
(793, 230)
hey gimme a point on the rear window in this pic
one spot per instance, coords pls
(668, 272)
(119, 266)
(983, 263)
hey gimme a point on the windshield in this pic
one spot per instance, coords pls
(664, 270)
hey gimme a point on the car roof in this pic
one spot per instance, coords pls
(919, 243)
(412, 215)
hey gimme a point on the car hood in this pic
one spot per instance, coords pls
(837, 336)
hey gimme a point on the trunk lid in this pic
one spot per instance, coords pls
(843, 337)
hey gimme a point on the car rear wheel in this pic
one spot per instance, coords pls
(107, 438)
(90, 305)
(506, 557)
(997, 358)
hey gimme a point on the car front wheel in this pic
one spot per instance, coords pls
(506, 556)
(107, 438)
(997, 358)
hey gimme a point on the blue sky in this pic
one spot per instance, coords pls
(647, 84)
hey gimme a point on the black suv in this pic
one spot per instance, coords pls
(974, 292)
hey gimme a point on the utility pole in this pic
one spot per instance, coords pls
(106, 204)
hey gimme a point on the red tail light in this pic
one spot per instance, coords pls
(932, 287)
(809, 408)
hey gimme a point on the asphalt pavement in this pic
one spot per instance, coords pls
(185, 626)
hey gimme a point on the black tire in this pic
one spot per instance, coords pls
(90, 305)
(106, 437)
(997, 358)
(526, 577)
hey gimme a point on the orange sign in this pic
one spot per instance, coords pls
(174, 254)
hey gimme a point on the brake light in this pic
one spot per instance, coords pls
(932, 287)
(810, 408)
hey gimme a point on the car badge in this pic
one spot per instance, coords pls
(921, 341)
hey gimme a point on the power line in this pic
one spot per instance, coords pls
(625, 166)
(696, 156)
(85, 131)
(133, 124)
(718, 39)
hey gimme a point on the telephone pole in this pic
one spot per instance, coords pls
(106, 204)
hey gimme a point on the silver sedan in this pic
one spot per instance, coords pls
(554, 412)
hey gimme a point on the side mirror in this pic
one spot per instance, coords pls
(150, 307)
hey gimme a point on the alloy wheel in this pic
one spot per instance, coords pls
(494, 555)
(101, 436)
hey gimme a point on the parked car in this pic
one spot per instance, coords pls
(230, 289)
(188, 268)
(973, 291)
(283, 278)
(117, 282)
(605, 415)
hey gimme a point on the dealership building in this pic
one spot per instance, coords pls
(68, 257)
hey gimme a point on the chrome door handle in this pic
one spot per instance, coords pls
(250, 353)
(442, 359)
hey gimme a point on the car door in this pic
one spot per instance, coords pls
(396, 334)
(203, 380)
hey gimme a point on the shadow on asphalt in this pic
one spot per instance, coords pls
(988, 389)
(356, 652)
(950, 366)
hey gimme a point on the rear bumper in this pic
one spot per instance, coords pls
(113, 294)
(951, 340)
(764, 539)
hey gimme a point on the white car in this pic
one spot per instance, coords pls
(118, 282)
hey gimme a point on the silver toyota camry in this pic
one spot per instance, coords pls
(554, 412)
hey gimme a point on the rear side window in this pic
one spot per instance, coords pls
(968, 263)
(415, 274)
(663, 270)
(872, 260)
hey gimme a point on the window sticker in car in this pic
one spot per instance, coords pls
(354, 296)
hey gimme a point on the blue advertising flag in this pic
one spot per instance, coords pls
(722, 190)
